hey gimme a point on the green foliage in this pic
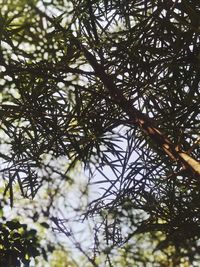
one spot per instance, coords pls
(18, 244)
(108, 85)
(60, 258)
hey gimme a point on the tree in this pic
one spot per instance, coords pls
(19, 243)
(107, 84)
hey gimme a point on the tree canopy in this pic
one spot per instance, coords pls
(111, 87)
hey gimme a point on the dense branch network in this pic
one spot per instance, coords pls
(107, 84)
